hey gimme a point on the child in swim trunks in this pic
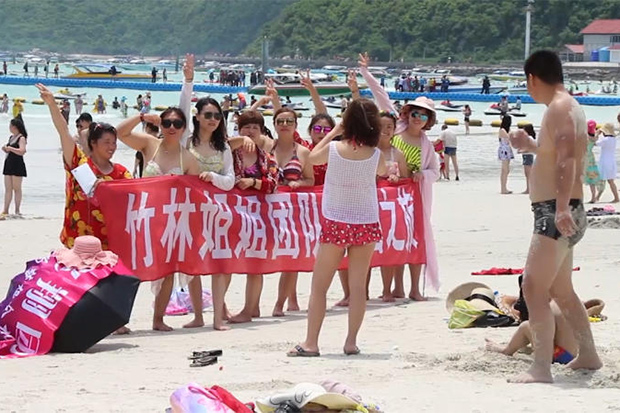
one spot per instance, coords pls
(565, 345)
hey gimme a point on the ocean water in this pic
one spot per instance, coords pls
(44, 187)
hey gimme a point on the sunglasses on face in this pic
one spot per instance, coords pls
(212, 115)
(422, 116)
(322, 129)
(177, 123)
(285, 121)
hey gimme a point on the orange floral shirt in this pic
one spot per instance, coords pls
(82, 215)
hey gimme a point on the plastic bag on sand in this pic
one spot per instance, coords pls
(181, 304)
(193, 398)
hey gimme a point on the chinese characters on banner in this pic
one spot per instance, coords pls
(38, 302)
(178, 223)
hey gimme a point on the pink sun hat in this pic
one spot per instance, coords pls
(86, 253)
(424, 103)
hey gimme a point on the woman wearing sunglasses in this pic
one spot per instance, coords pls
(255, 171)
(320, 124)
(415, 119)
(294, 171)
(165, 156)
(210, 145)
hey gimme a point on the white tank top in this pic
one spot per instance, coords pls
(350, 190)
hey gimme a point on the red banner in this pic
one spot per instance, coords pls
(179, 223)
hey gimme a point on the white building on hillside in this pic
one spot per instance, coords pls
(600, 34)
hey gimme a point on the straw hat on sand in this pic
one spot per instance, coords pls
(478, 294)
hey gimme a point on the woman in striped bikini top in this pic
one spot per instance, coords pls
(295, 170)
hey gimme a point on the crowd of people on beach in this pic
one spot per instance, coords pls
(412, 83)
(597, 174)
(26, 68)
(375, 141)
(255, 161)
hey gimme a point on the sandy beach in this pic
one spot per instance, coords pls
(410, 360)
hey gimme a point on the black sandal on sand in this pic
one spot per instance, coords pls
(200, 354)
(353, 353)
(299, 351)
(204, 361)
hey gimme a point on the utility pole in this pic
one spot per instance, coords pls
(528, 24)
(265, 56)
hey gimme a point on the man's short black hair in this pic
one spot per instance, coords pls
(545, 65)
(85, 117)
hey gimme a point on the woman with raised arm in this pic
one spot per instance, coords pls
(82, 214)
(165, 156)
(320, 125)
(294, 171)
(208, 142)
(414, 120)
(255, 171)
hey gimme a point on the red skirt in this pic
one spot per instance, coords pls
(349, 235)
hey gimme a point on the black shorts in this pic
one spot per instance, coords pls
(544, 220)
(466, 119)
(528, 159)
(449, 151)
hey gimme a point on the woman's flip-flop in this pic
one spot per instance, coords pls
(299, 351)
(204, 361)
(353, 353)
(200, 354)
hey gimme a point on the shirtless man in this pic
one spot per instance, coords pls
(560, 220)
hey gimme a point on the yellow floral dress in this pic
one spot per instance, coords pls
(82, 215)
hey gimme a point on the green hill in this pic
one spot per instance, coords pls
(147, 27)
(488, 30)
(483, 30)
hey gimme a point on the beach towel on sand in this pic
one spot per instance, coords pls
(505, 271)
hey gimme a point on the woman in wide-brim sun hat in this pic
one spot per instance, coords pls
(415, 119)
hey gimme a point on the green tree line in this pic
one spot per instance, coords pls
(145, 27)
(476, 30)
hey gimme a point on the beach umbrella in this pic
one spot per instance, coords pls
(103, 309)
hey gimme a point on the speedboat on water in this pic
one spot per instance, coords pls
(457, 80)
(67, 94)
(103, 72)
(474, 89)
(334, 68)
(448, 106)
(288, 84)
(295, 78)
(505, 75)
(493, 110)
(296, 106)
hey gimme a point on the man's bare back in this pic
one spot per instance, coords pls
(563, 114)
